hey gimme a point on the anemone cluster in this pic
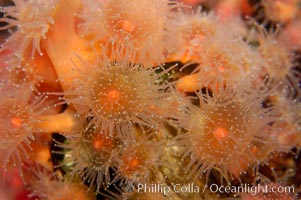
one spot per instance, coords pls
(124, 99)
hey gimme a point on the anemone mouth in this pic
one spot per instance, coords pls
(219, 127)
(136, 163)
(127, 22)
(114, 94)
(19, 114)
(122, 94)
(16, 116)
(141, 22)
(193, 29)
(97, 145)
(92, 153)
(16, 120)
(133, 164)
(224, 132)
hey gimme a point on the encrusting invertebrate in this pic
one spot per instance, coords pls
(279, 62)
(191, 29)
(33, 19)
(136, 164)
(289, 122)
(225, 133)
(113, 95)
(92, 154)
(121, 21)
(18, 116)
(48, 185)
(117, 94)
